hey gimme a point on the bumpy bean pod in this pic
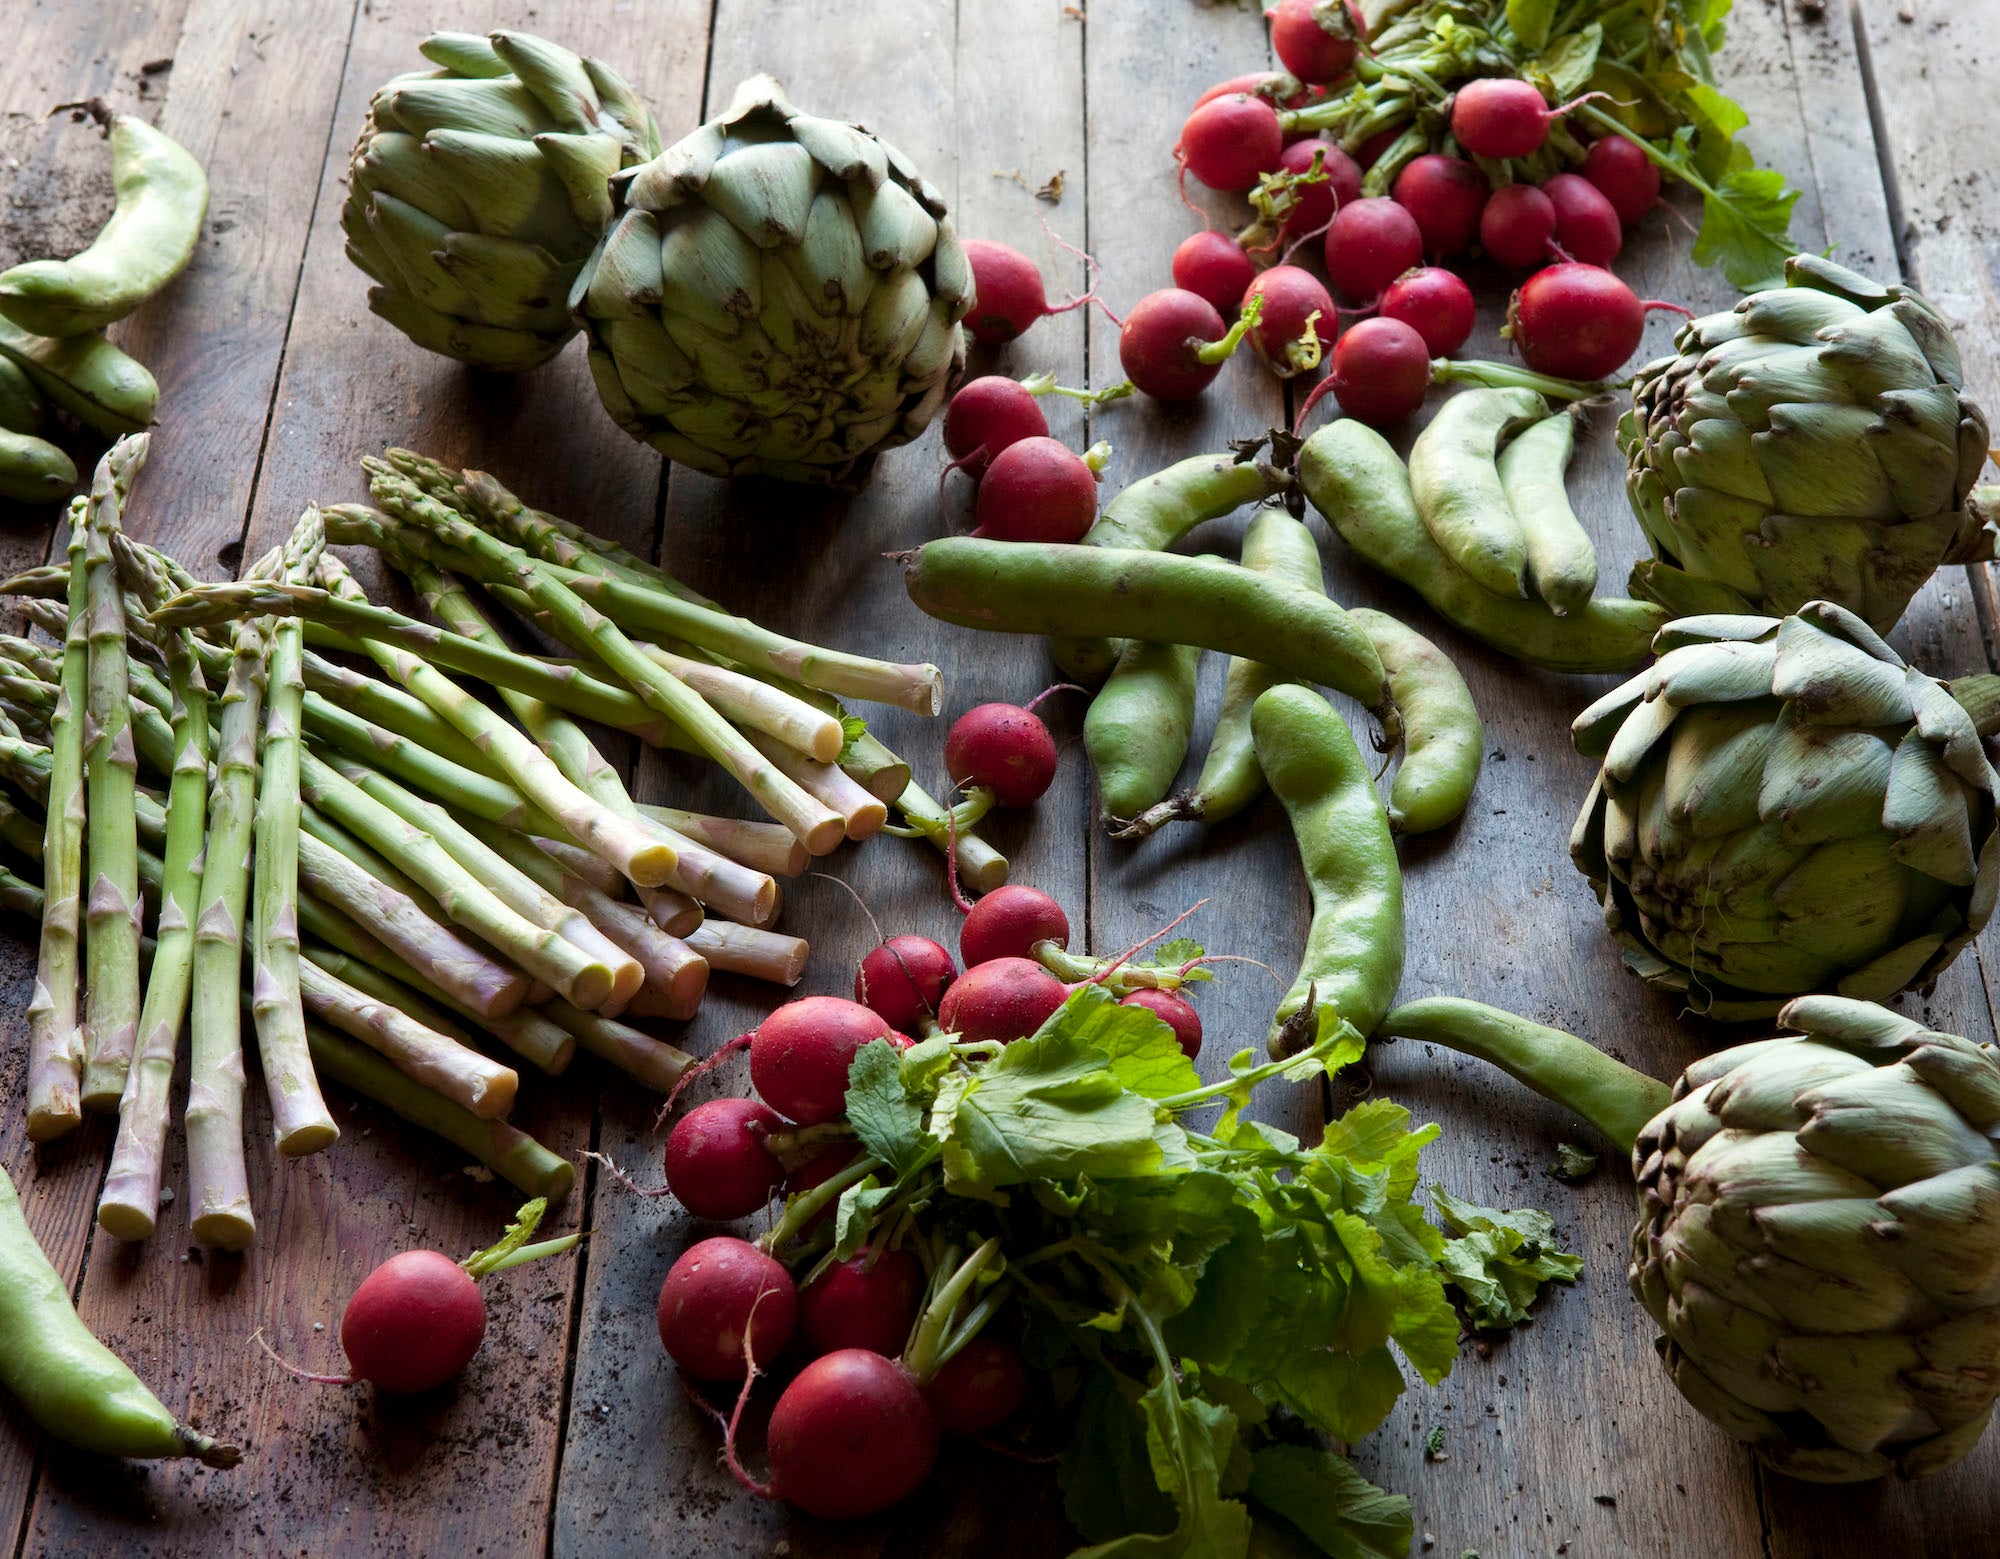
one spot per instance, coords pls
(1456, 481)
(1443, 740)
(1045, 588)
(33, 470)
(1151, 515)
(1137, 730)
(69, 1382)
(1562, 563)
(1354, 950)
(87, 377)
(1355, 479)
(162, 198)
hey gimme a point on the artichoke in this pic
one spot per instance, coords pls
(476, 190)
(1812, 444)
(1819, 1224)
(780, 294)
(1786, 807)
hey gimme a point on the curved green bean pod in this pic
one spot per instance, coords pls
(1443, 740)
(1046, 588)
(1562, 563)
(1353, 957)
(33, 470)
(69, 1382)
(87, 377)
(1355, 479)
(20, 405)
(1456, 482)
(1153, 513)
(162, 198)
(1138, 727)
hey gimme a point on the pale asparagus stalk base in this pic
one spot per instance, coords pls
(452, 1071)
(763, 955)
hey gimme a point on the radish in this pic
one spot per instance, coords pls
(902, 980)
(1006, 749)
(1370, 151)
(1446, 196)
(1036, 490)
(819, 1169)
(850, 1436)
(1273, 86)
(988, 415)
(1624, 175)
(1173, 344)
(1587, 225)
(1000, 1001)
(1435, 303)
(1370, 244)
(717, 1293)
(1313, 39)
(1503, 116)
(1296, 323)
(1008, 922)
(1315, 202)
(717, 1164)
(1008, 295)
(1578, 321)
(800, 1054)
(864, 1302)
(1176, 1011)
(1228, 141)
(1381, 369)
(1213, 267)
(978, 1388)
(1517, 225)
(418, 1318)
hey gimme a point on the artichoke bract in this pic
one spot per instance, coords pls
(476, 190)
(1785, 807)
(1819, 1224)
(780, 294)
(1811, 444)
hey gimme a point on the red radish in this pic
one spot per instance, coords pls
(1624, 175)
(1314, 41)
(863, 1302)
(1516, 226)
(1297, 322)
(1001, 1000)
(1036, 490)
(717, 1164)
(851, 1435)
(1587, 225)
(1176, 1011)
(1446, 196)
(1008, 922)
(718, 1292)
(1008, 295)
(1577, 321)
(413, 1324)
(1273, 86)
(1213, 267)
(1173, 344)
(1436, 304)
(903, 979)
(1370, 151)
(978, 1388)
(1314, 201)
(1005, 748)
(1503, 116)
(1228, 141)
(800, 1054)
(1370, 244)
(988, 415)
(819, 1169)
(1381, 369)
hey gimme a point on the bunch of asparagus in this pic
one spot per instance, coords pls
(416, 871)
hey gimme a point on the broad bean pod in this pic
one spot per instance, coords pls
(1137, 730)
(32, 470)
(1443, 739)
(1455, 479)
(86, 377)
(1562, 562)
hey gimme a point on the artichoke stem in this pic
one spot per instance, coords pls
(1979, 696)
(1613, 1097)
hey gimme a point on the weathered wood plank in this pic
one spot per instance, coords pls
(956, 104)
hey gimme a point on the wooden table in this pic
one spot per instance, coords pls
(569, 1432)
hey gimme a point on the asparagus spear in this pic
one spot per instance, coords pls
(656, 1064)
(763, 955)
(452, 1071)
(111, 983)
(467, 789)
(55, 1044)
(131, 1196)
(299, 1116)
(21, 831)
(763, 847)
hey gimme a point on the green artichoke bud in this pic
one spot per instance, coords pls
(1811, 444)
(476, 190)
(1786, 807)
(1819, 1224)
(780, 294)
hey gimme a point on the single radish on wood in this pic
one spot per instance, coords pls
(1004, 748)
(1435, 303)
(1001, 1000)
(1296, 322)
(1381, 368)
(987, 415)
(1624, 175)
(1517, 225)
(800, 1054)
(1009, 922)
(850, 1436)
(868, 1301)
(1371, 243)
(1228, 141)
(1316, 40)
(717, 1164)
(1213, 267)
(1037, 489)
(1504, 116)
(1587, 225)
(1578, 321)
(719, 1293)
(1008, 295)
(902, 981)
(1173, 343)
(1446, 196)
